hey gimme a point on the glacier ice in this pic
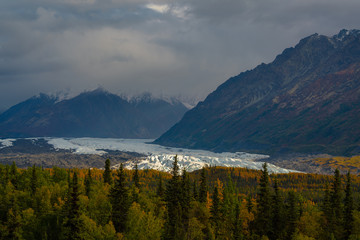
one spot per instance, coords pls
(161, 158)
(6, 142)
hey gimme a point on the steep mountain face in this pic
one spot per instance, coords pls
(90, 114)
(306, 100)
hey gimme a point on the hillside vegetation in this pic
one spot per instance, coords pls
(212, 203)
(342, 163)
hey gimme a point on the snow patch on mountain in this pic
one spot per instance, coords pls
(343, 34)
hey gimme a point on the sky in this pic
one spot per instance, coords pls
(181, 48)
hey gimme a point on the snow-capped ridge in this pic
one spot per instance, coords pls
(46, 96)
(57, 96)
(145, 97)
(97, 91)
(344, 33)
(344, 37)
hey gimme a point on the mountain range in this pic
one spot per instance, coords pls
(95, 113)
(306, 100)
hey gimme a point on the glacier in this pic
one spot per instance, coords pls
(164, 162)
(161, 158)
(6, 142)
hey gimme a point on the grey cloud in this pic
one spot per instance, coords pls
(127, 47)
(217, 11)
(60, 15)
(292, 13)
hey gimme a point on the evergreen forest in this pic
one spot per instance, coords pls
(211, 203)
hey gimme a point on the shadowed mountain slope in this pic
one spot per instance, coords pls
(306, 100)
(91, 114)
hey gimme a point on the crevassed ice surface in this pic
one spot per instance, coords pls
(160, 157)
(6, 142)
(164, 162)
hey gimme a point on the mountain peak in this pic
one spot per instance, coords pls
(338, 40)
(97, 91)
(96, 113)
(44, 96)
(344, 34)
(145, 97)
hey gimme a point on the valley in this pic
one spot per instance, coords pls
(28, 152)
(298, 113)
(180, 120)
(92, 153)
(66, 159)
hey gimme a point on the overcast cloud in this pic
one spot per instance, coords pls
(177, 47)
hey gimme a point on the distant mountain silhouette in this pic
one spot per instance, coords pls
(96, 113)
(306, 100)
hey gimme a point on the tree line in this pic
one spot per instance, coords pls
(212, 203)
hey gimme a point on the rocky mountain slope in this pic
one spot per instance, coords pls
(306, 100)
(91, 114)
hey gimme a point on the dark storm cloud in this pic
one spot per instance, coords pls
(185, 47)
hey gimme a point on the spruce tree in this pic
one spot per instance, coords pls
(88, 183)
(136, 178)
(14, 175)
(134, 194)
(160, 189)
(107, 173)
(2, 175)
(66, 206)
(7, 174)
(348, 208)
(185, 189)
(73, 223)
(277, 214)
(292, 215)
(237, 229)
(185, 199)
(228, 207)
(263, 215)
(336, 206)
(173, 225)
(229, 199)
(215, 211)
(249, 203)
(327, 211)
(135, 188)
(326, 205)
(203, 186)
(195, 192)
(120, 201)
(33, 181)
(69, 180)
